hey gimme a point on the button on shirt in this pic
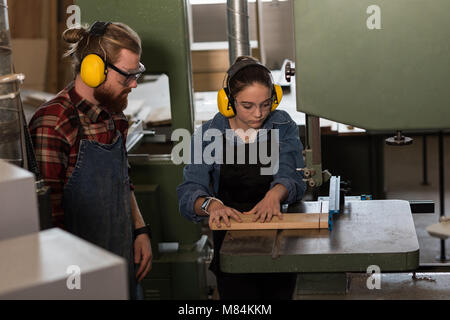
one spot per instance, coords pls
(54, 131)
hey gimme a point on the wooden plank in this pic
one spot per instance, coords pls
(210, 61)
(209, 68)
(208, 81)
(213, 60)
(323, 221)
(290, 221)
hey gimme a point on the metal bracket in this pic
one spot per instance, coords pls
(399, 140)
(136, 133)
(289, 72)
(9, 96)
(334, 199)
(13, 77)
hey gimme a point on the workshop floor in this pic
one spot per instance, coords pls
(403, 180)
(393, 286)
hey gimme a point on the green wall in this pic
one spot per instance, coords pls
(396, 77)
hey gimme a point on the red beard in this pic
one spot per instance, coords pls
(110, 102)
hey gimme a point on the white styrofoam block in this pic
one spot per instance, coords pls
(18, 202)
(54, 264)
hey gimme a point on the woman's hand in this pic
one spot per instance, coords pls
(269, 206)
(218, 211)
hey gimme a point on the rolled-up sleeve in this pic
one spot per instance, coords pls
(291, 158)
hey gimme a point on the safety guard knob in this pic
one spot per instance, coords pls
(289, 71)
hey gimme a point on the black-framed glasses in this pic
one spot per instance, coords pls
(129, 76)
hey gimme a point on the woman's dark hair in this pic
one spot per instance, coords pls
(248, 75)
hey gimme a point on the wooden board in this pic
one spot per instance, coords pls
(210, 61)
(213, 60)
(208, 81)
(209, 68)
(323, 221)
(290, 221)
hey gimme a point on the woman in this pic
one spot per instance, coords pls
(226, 189)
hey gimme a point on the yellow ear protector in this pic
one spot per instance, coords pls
(225, 100)
(93, 68)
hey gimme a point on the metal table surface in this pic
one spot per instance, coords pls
(371, 232)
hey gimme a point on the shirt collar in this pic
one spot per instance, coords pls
(92, 111)
(221, 122)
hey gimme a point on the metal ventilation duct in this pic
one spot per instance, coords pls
(10, 112)
(238, 29)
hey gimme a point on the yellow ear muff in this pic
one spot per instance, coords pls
(93, 70)
(277, 97)
(224, 104)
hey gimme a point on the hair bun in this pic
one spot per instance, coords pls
(74, 35)
(245, 58)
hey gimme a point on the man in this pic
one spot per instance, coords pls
(79, 139)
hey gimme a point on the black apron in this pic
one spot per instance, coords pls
(241, 187)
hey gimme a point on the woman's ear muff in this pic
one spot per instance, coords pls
(93, 70)
(226, 107)
(225, 103)
(278, 95)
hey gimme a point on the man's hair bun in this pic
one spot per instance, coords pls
(74, 35)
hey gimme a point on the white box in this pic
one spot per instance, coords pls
(54, 264)
(18, 202)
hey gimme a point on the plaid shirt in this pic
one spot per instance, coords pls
(54, 130)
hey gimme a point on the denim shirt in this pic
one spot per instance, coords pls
(202, 180)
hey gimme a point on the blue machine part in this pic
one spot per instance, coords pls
(334, 199)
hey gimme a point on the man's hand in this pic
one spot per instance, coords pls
(218, 211)
(143, 255)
